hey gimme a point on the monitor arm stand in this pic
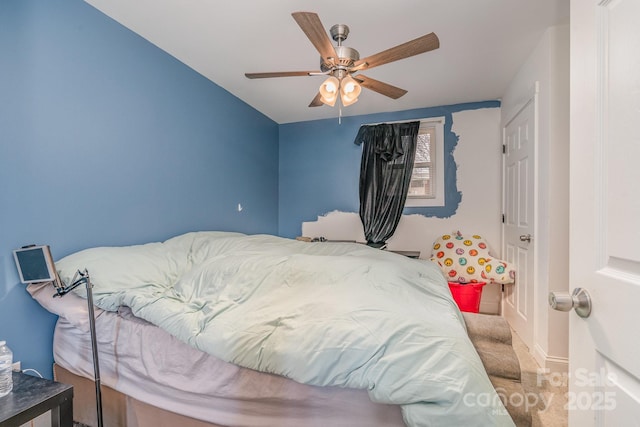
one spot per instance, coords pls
(63, 290)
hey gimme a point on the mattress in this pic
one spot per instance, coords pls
(143, 361)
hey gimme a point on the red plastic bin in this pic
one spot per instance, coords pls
(467, 295)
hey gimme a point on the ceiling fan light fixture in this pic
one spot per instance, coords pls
(348, 100)
(329, 101)
(349, 91)
(329, 91)
(349, 86)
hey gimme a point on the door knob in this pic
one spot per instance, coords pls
(578, 300)
(525, 238)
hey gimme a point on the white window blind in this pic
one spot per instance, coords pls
(427, 181)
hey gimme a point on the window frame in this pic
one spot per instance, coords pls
(437, 162)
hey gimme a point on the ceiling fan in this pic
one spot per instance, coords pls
(341, 63)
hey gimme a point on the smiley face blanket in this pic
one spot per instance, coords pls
(467, 259)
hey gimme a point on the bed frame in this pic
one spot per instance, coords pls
(119, 410)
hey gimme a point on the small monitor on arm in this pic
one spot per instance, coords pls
(35, 265)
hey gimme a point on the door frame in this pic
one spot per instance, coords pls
(532, 98)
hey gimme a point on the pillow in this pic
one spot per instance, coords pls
(466, 259)
(155, 265)
(71, 307)
(115, 268)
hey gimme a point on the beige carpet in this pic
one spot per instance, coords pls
(546, 394)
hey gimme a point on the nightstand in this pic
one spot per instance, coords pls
(32, 396)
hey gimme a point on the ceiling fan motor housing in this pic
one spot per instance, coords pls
(346, 55)
(339, 32)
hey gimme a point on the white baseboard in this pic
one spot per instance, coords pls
(552, 363)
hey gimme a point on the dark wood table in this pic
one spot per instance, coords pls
(32, 396)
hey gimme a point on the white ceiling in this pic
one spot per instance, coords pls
(482, 45)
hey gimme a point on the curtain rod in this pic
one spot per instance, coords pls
(435, 119)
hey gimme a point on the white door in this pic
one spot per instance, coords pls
(604, 349)
(519, 137)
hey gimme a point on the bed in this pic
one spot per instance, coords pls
(230, 329)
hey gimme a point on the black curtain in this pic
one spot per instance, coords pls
(385, 173)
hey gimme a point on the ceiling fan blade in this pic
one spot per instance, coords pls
(414, 47)
(280, 74)
(310, 23)
(380, 87)
(316, 101)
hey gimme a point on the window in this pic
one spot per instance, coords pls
(427, 181)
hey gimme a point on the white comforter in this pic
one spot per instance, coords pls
(319, 313)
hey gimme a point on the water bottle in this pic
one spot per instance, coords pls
(6, 368)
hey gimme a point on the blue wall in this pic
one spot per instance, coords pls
(320, 165)
(107, 140)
